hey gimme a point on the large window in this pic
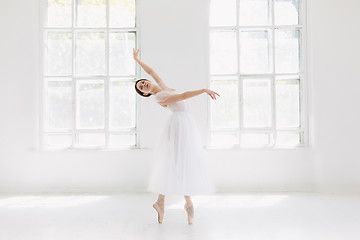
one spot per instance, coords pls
(88, 74)
(257, 66)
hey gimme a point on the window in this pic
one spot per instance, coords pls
(88, 74)
(257, 66)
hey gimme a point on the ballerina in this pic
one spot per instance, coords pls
(179, 165)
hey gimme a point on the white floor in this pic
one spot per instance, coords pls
(221, 216)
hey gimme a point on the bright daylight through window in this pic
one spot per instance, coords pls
(257, 66)
(88, 74)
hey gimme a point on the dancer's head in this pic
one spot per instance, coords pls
(143, 87)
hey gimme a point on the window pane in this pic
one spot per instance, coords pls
(59, 13)
(225, 109)
(224, 139)
(263, 51)
(87, 62)
(58, 140)
(287, 103)
(58, 54)
(90, 53)
(91, 13)
(122, 105)
(286, 12)
(255, 139)
(90, 104)
(223, 53)
(255, 52)
(120, 140)
(222, 13)
(287, 52)
(59, 104)
(121, 58)
(257, 103)
(254, 12)
(122, 13)
(287, 139)
(91, 140)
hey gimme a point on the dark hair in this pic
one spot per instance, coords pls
(140, 92)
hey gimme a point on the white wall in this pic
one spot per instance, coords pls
(174, 41)
(334, 77)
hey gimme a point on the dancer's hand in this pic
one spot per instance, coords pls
(212, 94)
(135, 53)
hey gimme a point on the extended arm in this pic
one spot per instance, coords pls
(189, 94)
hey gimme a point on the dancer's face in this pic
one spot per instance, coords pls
(145, 86)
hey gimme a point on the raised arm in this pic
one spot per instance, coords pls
(150, 71)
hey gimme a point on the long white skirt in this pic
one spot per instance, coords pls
(178, 159)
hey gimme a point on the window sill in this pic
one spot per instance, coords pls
(261, 148)
(84, 149)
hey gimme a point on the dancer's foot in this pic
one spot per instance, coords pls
(189, 208)
(159, 207)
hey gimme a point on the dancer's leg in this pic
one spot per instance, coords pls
(188, 200)
(160, 201)
(159, 207)
(189, 208)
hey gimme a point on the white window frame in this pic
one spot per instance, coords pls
(303, 130)
(42, 83)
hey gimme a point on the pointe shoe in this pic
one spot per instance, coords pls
(190, 212)
(159, 211)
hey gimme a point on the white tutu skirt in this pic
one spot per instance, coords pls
(178, 159)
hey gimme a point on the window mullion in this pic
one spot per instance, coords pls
(273, 82)
(241, 105)
(73, 122)
(240, 102)
(107, 79)
(303, 83)
(43, 106)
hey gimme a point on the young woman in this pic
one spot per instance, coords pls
(179, 165)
